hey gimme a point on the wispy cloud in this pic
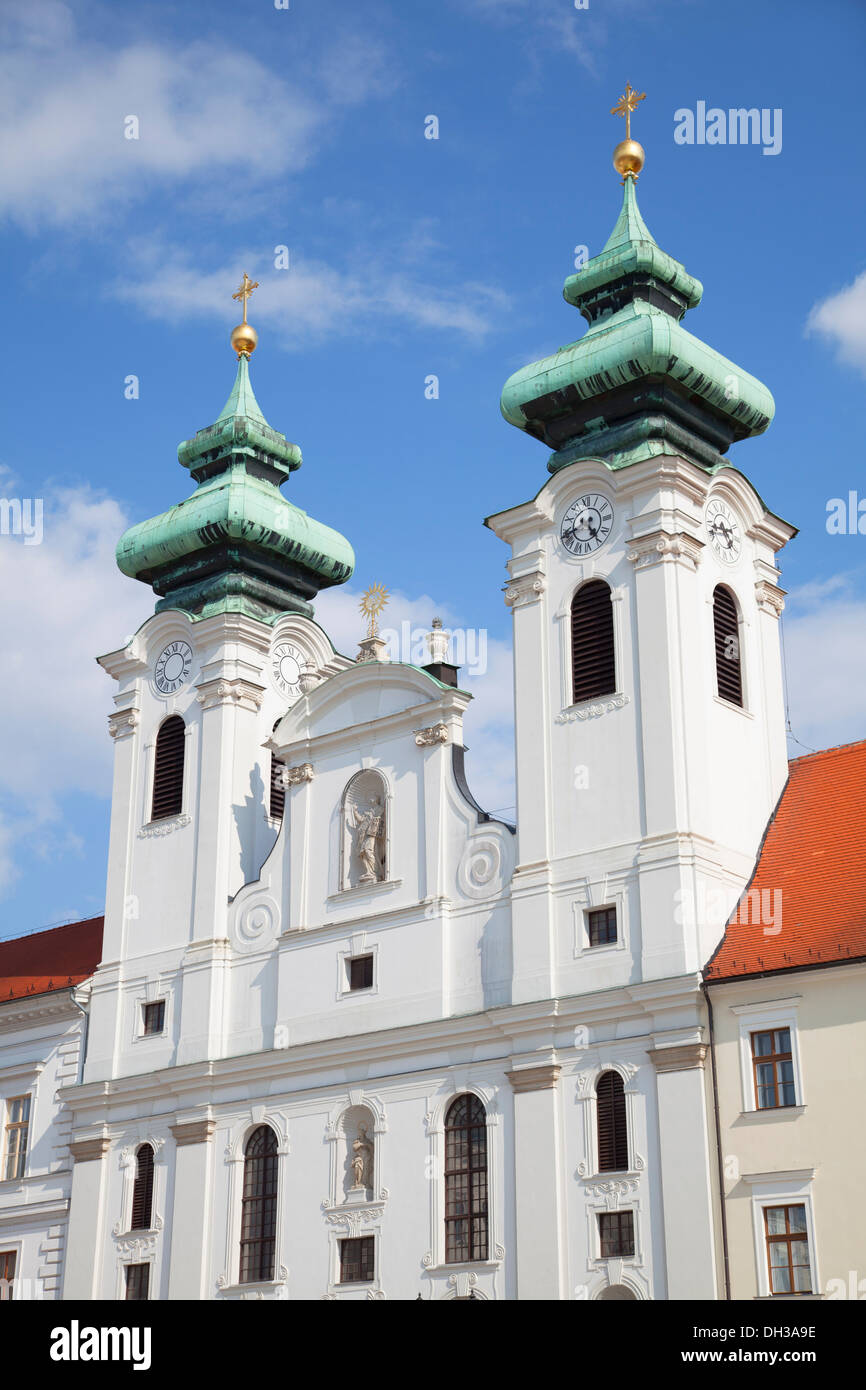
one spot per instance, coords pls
(311, 300)
(204, 110)
(841, 320)
(826, 661)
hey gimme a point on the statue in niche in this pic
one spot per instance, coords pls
(362, 1161)
(368, 822)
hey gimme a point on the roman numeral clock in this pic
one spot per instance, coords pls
(587, 523)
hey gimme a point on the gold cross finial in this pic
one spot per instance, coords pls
(244, 291)
(626, 105)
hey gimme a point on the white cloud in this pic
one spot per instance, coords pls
(826, 660)
(205, 110)
(309, 302)
(841, 320)
(64, 603)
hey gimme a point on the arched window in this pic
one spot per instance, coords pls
(142, 1190)
(278, 791)
(726, 626)
(259, 1207)
(592, 649)
(168, 769)
(465, 1180)
(611, 1123)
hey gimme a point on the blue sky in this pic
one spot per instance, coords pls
(304, 128)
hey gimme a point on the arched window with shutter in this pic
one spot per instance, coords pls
(259, 1207)
(726, 628)
(142, 1190)
(278, 791)
(612, 1128)
(466, 1232)
(168, 769)
(593, 663)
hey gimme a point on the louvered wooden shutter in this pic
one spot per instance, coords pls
(278, 791)
(592, 650)
(168, 769)
(611, 1122)
(142, 1192)
(729, 676)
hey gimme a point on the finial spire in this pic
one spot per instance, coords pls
(629, 155)
(245, 337)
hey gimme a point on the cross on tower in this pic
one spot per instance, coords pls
(244, 291)
(626, 105)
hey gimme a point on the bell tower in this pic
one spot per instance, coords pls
(200, 687)
(650, 740)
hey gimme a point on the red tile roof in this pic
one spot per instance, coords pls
(810, 874)
(49, 960)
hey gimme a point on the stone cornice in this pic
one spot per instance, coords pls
(685, 1058)
(241, 692)
(665, 547)
(193, 1132)
(534, 1078)
(770, 598)
(525, 588)
(123, 723)
(32, 1009)
(87, 1150)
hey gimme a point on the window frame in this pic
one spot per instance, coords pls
(147, 1266)
(273, 1240)
(612, 1071)
(357, 945)
(175, 818)
(468, 1171)
(760, 1017)
(17, 1127)
(364, 958)
(7, 1283)
(149, 1199)
(573, 699)
(619, 1214)
(597, 911)
(366, 1240)
(742, 703)
(151, 1004)
(788, 1238)
(773, 1059)
(786, 1189)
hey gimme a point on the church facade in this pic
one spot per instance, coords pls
(345, 1036)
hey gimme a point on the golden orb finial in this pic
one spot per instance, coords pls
(629, 156)
(245, 337)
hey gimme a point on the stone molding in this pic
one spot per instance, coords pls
(684, 1058)
(771, 599)
(664, 547)
(526, 588)
(534, 1078)
(295, 776)
(193, 1132)
(593, 710)
(123, 723)
(227, 692)
(437, 733)
(86, 1150)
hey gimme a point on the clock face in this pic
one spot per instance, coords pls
(587, 523)
(724, 531)
(287, 663)
(173, 667)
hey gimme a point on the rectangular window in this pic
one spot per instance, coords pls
(153, 1016)
(7, 1273)
(616, 1229)
(360, 972)
(788, 1250)
(357, 1260)
(138, 1283)
(15, 1146)
(773, 1066)
(602, 926)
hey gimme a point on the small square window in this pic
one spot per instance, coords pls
(153, 1018)
(357, 1260)
(360, 972)
(138, 1283)
(601, 924)
(616, 1229)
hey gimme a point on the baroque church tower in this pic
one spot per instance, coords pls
(468, 1062)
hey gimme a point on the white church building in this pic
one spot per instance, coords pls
(345, 1036)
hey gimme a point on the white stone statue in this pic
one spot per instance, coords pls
(368, 822)
(362, 1160)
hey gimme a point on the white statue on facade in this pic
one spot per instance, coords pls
(368, 822)
(362, 1160)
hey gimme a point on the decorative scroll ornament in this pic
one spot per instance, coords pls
(665, 547)
(480, 871)
(163, 827)
(528, 588)
(593, 711)
(437, 733)
(771, 599)
(256, 926)
(123, 724)
(295, 776)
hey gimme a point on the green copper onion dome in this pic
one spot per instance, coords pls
(237, 544)
(637, 383)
